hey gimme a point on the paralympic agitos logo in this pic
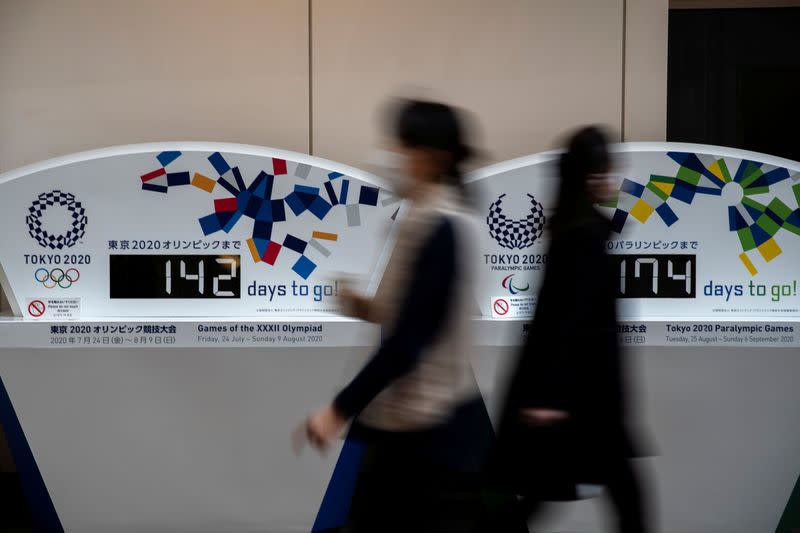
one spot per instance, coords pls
(513, 288)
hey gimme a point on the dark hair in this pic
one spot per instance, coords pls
(421, 124)
(586, 153)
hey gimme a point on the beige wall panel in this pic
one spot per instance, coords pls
(84, 74)
(528, 70)
(646, 70)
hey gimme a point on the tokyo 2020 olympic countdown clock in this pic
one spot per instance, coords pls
(188, 229)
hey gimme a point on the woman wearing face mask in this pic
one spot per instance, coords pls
(415, 401)
(565, 419)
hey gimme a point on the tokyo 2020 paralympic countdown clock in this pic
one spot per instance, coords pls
(706, 240)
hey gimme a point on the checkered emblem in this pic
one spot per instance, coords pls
(50, 240)
(515, 234)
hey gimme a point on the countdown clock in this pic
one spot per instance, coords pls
(655, 276)
(190, 230)
(174, 276)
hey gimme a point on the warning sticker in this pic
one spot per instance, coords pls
(513, 306)
(53, 308)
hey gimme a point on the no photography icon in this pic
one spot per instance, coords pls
(36, 308)
(501, 307)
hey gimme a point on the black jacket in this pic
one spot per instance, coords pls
(571, 361)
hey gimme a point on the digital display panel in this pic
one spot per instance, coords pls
(655, 276)
(174, 276)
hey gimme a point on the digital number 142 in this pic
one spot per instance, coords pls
(200, 276)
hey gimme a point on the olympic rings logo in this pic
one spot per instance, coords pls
(57, 276)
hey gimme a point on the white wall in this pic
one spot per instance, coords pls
(90, 73)
(85, 74)
(645, 72)
(527, 70)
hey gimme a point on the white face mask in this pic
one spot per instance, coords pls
(391, 166)
(601, 186)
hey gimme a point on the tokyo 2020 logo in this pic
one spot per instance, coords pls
(516, 234)
(46, 237)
